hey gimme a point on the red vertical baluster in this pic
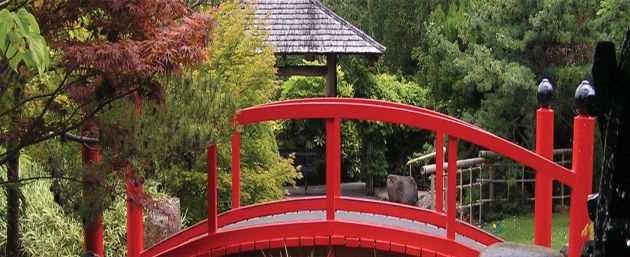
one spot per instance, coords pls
(544, 183)
(333, 165)
(451, 209)
(93, 233)
(236, 170)
(135, 237)
(583, 139)
(212, 189)
(135, 218)
(439, 172)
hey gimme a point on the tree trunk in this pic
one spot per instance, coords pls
(13, 247)
(13, 207)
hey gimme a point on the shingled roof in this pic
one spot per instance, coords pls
(306, 26)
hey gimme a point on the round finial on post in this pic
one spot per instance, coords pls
(585, 99)
(545, 93)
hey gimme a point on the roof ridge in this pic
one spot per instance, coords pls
(344, 22)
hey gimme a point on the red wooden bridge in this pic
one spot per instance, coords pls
(337, 221)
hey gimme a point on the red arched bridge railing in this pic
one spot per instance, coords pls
(335, 220)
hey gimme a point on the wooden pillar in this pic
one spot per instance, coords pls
(331, 77)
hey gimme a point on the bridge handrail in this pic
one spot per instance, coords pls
(372, 110)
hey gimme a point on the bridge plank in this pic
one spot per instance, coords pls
(413, 251)
(232, 249)
(428, 253)
(337, 240)
(292, 241)
(382, 245)
(353, 242)
(277, 243)
(248, 246)
(441, 255)
(367, 243)
(322, 240)
(218, 252)
(203, 253)
(398, 248)
(307, 241)
(262, 244)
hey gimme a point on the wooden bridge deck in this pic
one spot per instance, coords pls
(367, 218)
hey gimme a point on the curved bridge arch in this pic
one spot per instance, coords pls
(341, 221)
(381, 111)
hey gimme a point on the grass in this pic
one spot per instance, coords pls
(520, 229)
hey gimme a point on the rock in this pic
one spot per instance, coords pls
(518, 250)
(425, 200)
(565, 250)
(163, 220)
(402, 189)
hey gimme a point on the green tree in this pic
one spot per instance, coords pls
(386, 147)
(395, 24)
(168, 141)
(481, 57)
(311, 134)
(612, 18)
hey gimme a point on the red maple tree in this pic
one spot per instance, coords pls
(105, 50)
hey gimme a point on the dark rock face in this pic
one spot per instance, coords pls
(518, 250)
(402, 189)
(612, 210)
(163, 220)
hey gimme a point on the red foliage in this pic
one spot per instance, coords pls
(130, 41)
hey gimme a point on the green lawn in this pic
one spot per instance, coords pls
(520, 229)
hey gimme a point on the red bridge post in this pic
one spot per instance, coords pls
(439, 172)
(451, 201)
(583, 141)
(212, 189)
(93, 232)
(135, 236)
(236, 170)
(544, 183)
(333, 165)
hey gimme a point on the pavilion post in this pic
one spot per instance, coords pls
(331, 77)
